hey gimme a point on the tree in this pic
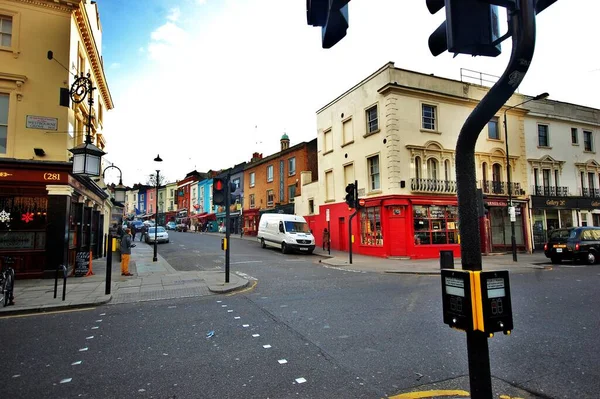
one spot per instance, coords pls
(152, 180)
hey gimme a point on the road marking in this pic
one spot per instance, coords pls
(64, 381)
(47, 313)
(247, 277)
(430, 394)
(83, 349)
(282, 361)
(245, 325)
(250, 288)
(300, 380)
(267, 346)
(255, 335)
(76, 363)
(245, 261)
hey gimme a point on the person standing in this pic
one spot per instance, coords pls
(144, 232)
(132, 227)
(126, 245)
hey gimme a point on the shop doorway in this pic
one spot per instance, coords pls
(397, 231)
(342, 233)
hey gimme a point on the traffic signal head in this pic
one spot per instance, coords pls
(331, 16)
(471, 27)
(351, 195)
(218, 193)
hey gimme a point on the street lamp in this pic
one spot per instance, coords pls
(155, 258)
(511, 208)
(119, 189)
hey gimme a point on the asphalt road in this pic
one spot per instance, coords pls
(347, 334)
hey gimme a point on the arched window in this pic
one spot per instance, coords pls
(432, 168)
(496, 178)
(484, 172)
(418, 167)
(447, 172)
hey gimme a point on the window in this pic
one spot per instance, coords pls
(447, 172)
(591, 182)
(252, 201)
(3, 122)
(151, 211)
(432, 168)
(292, 166)
(588, 145)
(373, 165)
(348, 131)
(141, 197)
(5, 31)
(574, 136)
(151, 196)
(546, 180)
(270, 173)
(429, 117)
(311, 206)
(372, 121)
(484, 172)
(370, 226)
(252, 179)
(496, 178)
(329, 194)
(418, 172)
(435, 224)
(270, 198)
(493, 132)
(543, 136)
(327, 141)
(291, 192)
(236, 183)
(349, 174)
(172, 192)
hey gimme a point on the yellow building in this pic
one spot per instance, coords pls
(42, 205)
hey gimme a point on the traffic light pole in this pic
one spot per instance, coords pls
(227, 228)
(522, 27)
(355, 194)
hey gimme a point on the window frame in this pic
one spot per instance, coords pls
(271, 193)
(372, 174)
(591, 141)
(494, 120)
(369, 122)
(291, 187)
(574, 135)
(345, 140)
(435, 118)
(15, 16)
(271, 172)
(327, 133)
(445, 223)
(547, 133)
(2, 125)
(252, 180)
(252, 201)
(291, 171)
(371, 229)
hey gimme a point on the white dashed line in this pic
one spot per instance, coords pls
(76, 363)
(219, 301)
(255, 335)
(83, 349)
(267, 346)
(300, 380)
(64, 381)
(223, 306)
(95, 328)
(102, 314)
(90, 337)
(237, 317)
(282, 361)
(99, 321)
(245, 325)
(230, 311)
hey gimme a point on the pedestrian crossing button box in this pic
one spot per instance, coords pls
(496, 306)
(456, 299)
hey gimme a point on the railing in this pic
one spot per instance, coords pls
(550, 191)
(590, 192)
(433, 185)
(500, 187)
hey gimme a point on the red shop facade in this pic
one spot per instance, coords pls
(416, 227)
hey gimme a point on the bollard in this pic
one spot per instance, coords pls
(446, 260)
(105, 245)
(109, 267)
(64, 269)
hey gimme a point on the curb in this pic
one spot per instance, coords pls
(45, 309)
(420, 272)
(224, 290)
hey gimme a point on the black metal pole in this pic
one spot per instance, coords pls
(56, 282)
(329, 238)
(227, 228)
(64, 270)
(522, 27)
(513, 240)
(109, 257)
(155, 257)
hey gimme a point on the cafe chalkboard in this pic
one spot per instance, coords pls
(82, 264)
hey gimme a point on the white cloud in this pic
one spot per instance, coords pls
(174, 14)
(212, 77)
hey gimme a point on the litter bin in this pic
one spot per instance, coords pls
(446, 260)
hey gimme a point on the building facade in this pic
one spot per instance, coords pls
(48, 216)
(395, 134)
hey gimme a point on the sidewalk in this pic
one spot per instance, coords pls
(150, 281)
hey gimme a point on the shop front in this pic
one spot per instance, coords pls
(48, 216)
(498, 230)
(250, 219)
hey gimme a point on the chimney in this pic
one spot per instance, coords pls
(255, 157)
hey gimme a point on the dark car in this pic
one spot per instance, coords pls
(137, 225)
(574, 243)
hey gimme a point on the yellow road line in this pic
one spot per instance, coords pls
(46, 313)
(430, 394)
(252, 285)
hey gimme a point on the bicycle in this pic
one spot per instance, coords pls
(7, 281)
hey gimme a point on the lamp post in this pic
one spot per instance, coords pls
(155, 257)
(511, 208)
(120, 189)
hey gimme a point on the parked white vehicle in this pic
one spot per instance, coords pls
(288, 232)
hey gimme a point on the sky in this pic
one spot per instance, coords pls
(205, 83)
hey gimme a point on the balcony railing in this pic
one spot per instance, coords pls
(550, 191)
(590, 192)
(500, 187)
(433, 186)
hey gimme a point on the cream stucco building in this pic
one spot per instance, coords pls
(53, 214)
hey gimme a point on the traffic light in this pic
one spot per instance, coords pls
(471, 27)
(331, 16)
(232, 197)
(218, 193)
(351, 195)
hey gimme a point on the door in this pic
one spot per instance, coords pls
(342, 234)
(397, 231)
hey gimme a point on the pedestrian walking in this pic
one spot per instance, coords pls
(126, 245)
(132, 229)
(326, 241)
(144, 232)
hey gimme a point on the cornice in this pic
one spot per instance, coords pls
(82, 20)
(67, 6)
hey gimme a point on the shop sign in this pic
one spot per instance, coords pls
(554, 202)
(588, 203)
(496, 203)
(17, 240)
(41, 122)
(38, 176)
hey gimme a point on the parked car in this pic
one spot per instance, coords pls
(161, 235)
(181, 227)
(288, 232)
(574, 243)
(148, 223)
(171, 226)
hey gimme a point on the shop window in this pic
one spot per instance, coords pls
(435, 224)
(23, 223)
(252, 201)
(370, 226)
(3, 122)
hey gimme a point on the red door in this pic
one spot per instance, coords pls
(397, 231)
(342, 234)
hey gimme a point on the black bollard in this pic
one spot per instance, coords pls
(109, 266)
(446, 260)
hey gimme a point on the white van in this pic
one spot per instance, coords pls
(288, 232)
